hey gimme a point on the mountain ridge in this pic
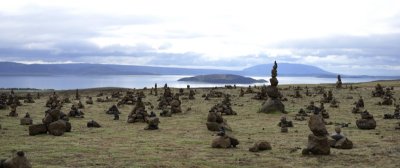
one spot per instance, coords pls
(284, 69)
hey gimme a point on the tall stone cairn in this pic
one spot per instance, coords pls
(274, 104)
(339, 82)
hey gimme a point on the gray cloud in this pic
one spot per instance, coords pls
(373, 54)
(57, 35)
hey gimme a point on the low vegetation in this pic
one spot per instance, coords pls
(184, 141)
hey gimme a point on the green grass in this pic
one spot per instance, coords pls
(184, 141)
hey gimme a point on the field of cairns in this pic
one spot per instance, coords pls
(181, 139)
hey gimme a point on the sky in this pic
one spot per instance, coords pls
(351, 37)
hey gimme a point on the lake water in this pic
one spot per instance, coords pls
(140, 81)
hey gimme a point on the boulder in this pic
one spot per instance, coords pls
(224, 141)
(260, 146)
(93, 124)
(221, 142)
(366, 124)
(152, 123)
(317, 145)
(273, 105)
(343, 143)
(37, 129)
(57, 128)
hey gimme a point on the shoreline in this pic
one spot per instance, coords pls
(397, 81)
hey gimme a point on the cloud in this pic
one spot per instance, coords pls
(373, 54)
(46, 27)
(362, 38)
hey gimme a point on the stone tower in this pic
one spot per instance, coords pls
(274, 104)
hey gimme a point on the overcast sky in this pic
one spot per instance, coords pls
(341, 36)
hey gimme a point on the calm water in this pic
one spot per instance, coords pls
(139, 81)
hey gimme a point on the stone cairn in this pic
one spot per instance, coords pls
(166, 99)
(77, 96)
(215, 121)
(89, 100)
(395, 115)
(339, 82)
(13, 112)
(273, 104)
(3, 101)
(53, 101)
(129, 98)
(359, 106)
(18, 160)
(176, 105)
(155, 90)
(116, 94)
(367, 121)
(113, 110)
(241, 93)
(334, 103)
(317, 141)
(191, 94)
(378, 92)
(301, 115)
(387, 98)
(181, 92)
(311, 108)
(249, 90)
(13, 99)
(213, 94)
(55, 122)
(327, 98)
(323, 111)
(66, 100)
(262, 95)
(224, 141)
(284, 124)
(29, 98)
(339, 141)
(138, 113)
(75, 112)
(27, 120)
(308, 93)
(224, 107)
(140, 94)
(152, 122)
(80, 105)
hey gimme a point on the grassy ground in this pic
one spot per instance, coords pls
(184, 141)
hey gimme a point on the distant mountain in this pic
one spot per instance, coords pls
(10, 68)
(222, 78)
(284, 69)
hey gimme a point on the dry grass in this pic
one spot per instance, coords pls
(184, 141)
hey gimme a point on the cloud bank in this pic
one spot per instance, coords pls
(348, 37)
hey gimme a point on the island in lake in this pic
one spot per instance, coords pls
(222, 78)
